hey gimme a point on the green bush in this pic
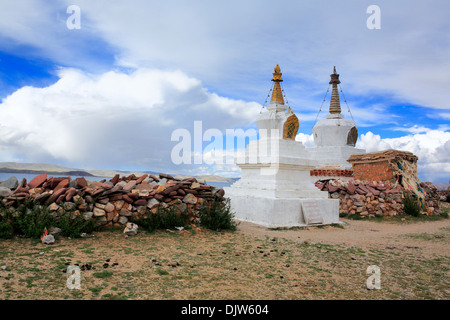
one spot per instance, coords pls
(30, 221)
(164, 218)
(73, 226)
(6, 230)
(411, 206)
(217, 215)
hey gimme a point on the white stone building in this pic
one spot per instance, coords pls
(335, 139)
(275, 188)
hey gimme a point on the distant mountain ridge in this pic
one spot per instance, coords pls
(39, 168)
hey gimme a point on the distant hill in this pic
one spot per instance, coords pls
(39, 168)
(441, 185)
(28, 171)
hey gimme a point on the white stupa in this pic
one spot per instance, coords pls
(275, 189)
(335, 137)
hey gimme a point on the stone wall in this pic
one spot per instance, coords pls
(113, 202)
(386, 165)
(376, 198)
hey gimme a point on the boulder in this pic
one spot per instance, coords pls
(130, 229)
(129, 185)
(190, 199)
(11, 183)
(152, 203)
(81, 182)
(5, 192)
(109, 207)
(37, 181)
(99, 212)
(48, 239)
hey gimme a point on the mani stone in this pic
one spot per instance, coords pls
(48, 239)
(11, 183)
(190, 199)
(5, 192)
(130, 229)
(37, 181)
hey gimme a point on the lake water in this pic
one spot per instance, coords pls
(29, 177)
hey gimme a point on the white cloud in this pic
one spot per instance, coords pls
(431, 146)
(112, 120)
(306, 139)
(231, 46)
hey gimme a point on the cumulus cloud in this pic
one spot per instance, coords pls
(431, 146)
(112, 120)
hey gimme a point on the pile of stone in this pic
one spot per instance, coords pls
(113, 202)
(376, 198)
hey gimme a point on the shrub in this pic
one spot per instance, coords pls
(217, 215)
(30, 221)
(411, 206)
(74, 225)
(448, 198)
(6, 230)
(164, 218)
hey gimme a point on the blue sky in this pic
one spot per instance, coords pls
(110, 94)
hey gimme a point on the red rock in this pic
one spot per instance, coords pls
(52, 182)
(360, 191)
(60, 198)
(141, 178)
(351, 188)
(154, 177)
(374, 191)
(332, 188)
(143, 186)
(22, 183)
(220, 192)
(56, 194)
(140, 202)
(37, 181)
(170, 189)
(181, 192)
(115, 197)
(106, 186)
(159, 197)
(127, 198)
(133, 195)
(131, 177)
(21, 190)
(70, 193)
(63, 184)
(81, 182)
(115, 179)
(98, 191)
(320, 185)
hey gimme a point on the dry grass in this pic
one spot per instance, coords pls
(201, 264)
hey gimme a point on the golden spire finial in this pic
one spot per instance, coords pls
(335, 105)
(277, 94)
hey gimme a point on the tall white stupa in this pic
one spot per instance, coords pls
(275, 189)
(335, 137)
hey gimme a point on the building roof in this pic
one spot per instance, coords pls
(385, 155)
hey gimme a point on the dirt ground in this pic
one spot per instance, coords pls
(253, 263)
(364, 234)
